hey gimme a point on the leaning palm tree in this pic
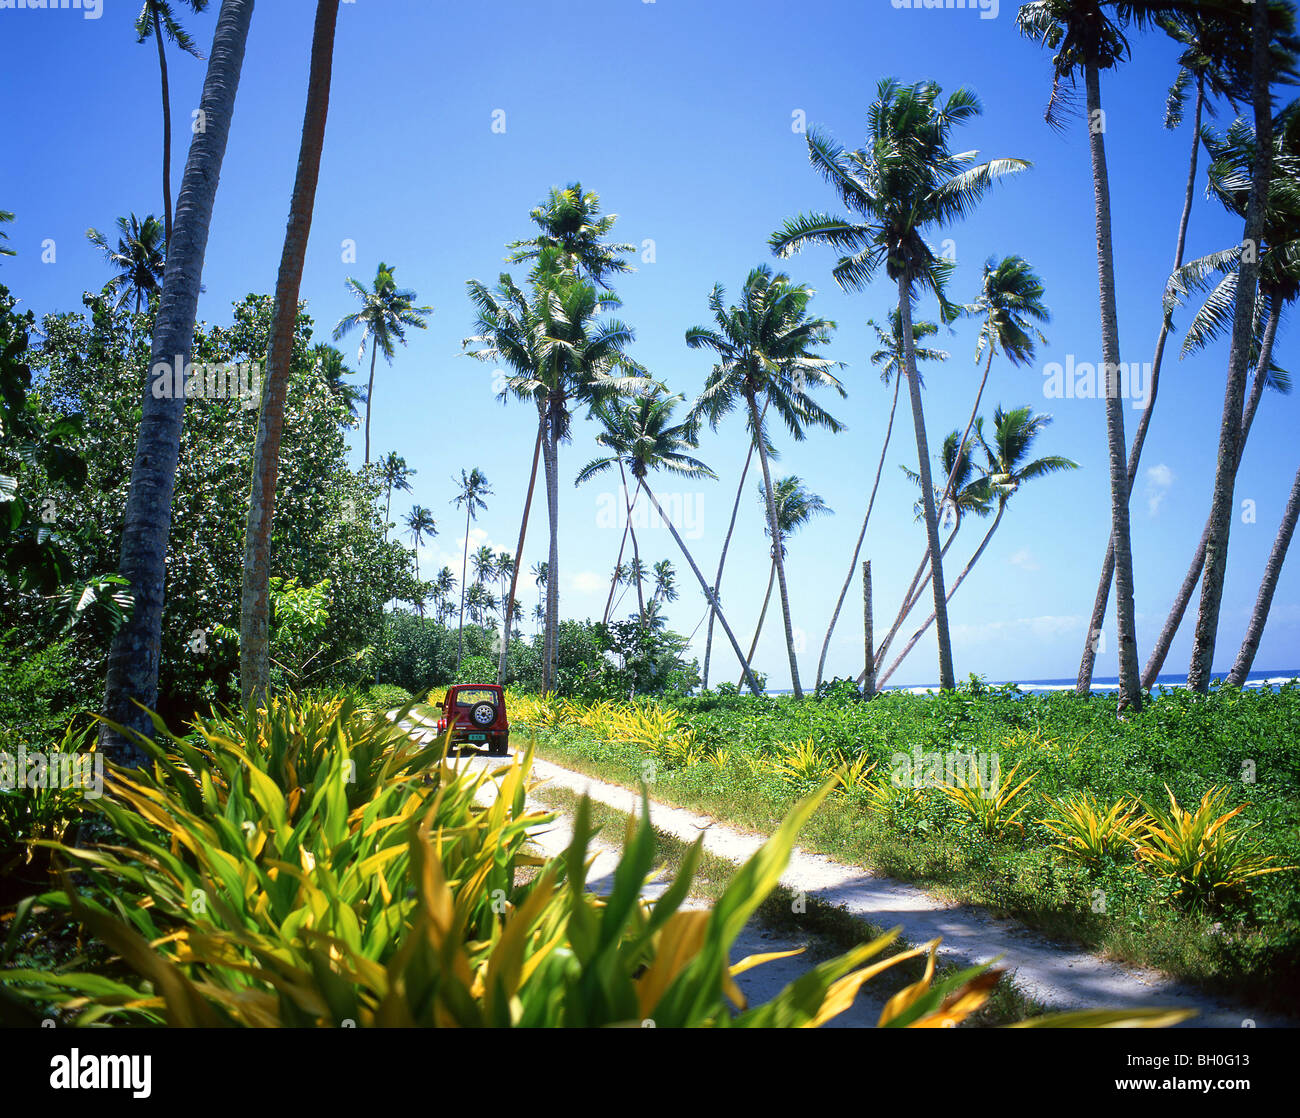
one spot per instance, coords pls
(255, 599)
(1082, 36)
(967, 495)
(904, 182)
(1215, 61)
(767, 346)
(795, 506)
(1014, 433)
(140, 257)
(155, 20)
(1232, 156)
(1241, 666)
(474, 488)
(1009, 304)
(889, 358)
(419, 524)
(662, 445)
(393, 472)
(132, 680)
(386, 312)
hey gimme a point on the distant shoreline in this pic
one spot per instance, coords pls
(1256, 680)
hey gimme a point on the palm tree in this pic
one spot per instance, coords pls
(539, 573)
(1014, 433)
(1232, 156)
(441, 588)
(393, 472)
(795, 506)
(905, 181)
(969, 495)
(767, 346)
(889, 357)
(1082, 37)
(1215, 60)
(473, 488)
(132, 679)
(617, 433)
(5, 217)
(662, 445)
(772, 456)
(665, 583)
(420, 523)
(1264, 600)
(484, 564)
(333, 366)
(570, 223)
(1010, 301)
(140, 257)
(154, 19)
(255, 600)
(385, 313)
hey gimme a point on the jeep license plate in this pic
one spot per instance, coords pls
(478, 737)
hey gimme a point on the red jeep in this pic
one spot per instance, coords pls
(476, 713)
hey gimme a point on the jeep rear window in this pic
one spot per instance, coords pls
(469, 698)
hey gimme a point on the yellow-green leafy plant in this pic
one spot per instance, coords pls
(450, 947)
(799, 763)
(1090, 832)
(988, 807)
(1210, 861)
(888, 797)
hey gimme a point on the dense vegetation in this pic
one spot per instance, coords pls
(747, 759)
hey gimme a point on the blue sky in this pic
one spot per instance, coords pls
(683, 116)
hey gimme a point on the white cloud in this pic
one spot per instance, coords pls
(1024, 559)
(1159, 479)
(1045, 627)
(589, 582)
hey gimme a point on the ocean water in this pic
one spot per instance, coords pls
(1272, 679)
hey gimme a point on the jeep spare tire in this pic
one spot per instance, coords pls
(483, 714)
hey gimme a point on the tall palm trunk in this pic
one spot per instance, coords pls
(255, 605)
(1264, 600)
(946, 680)
(1184, 596)
(134, 656)
(762, 616)
(1101, 600)
(708, 592)
(775, 530)
(618, 563)
(636, 548)
(1216, 548)
(370, 395)
(519, 554)
(549, 638)
(167, 138)
(862, 535)
(913, 595)
(464, 570)
(1130, 691)
(880, 682)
